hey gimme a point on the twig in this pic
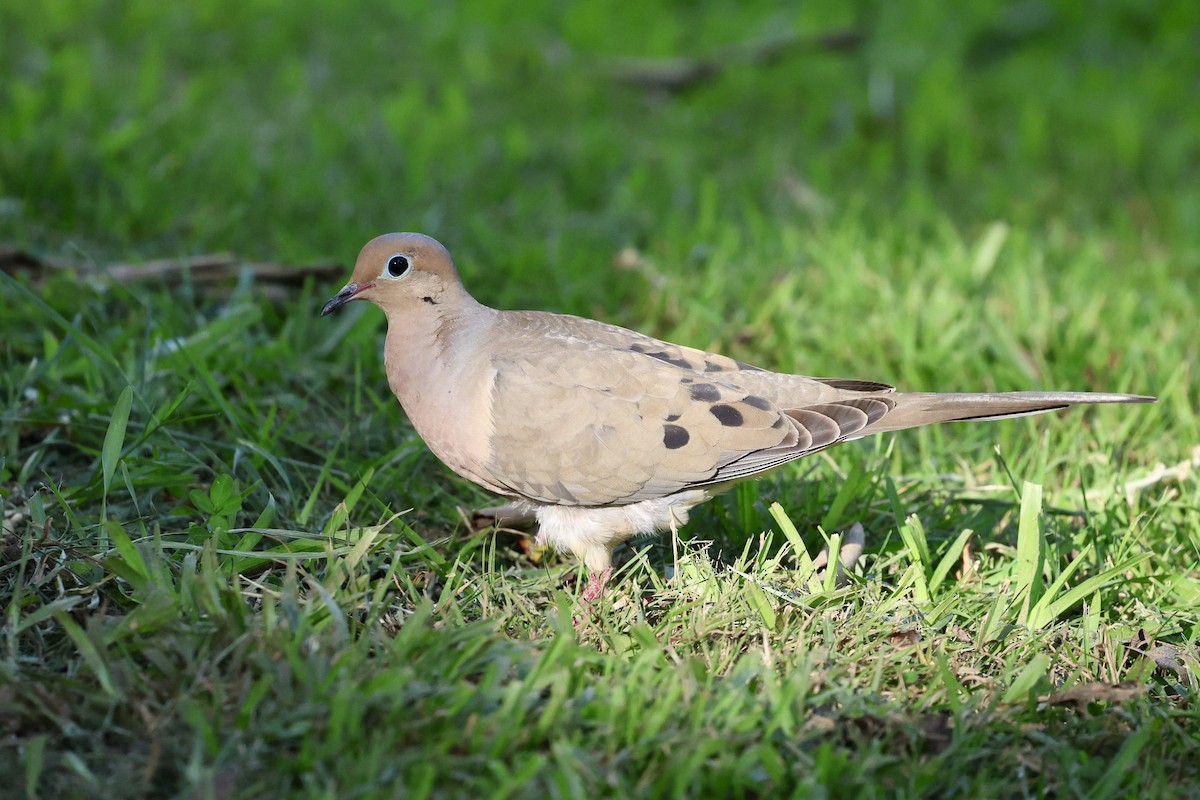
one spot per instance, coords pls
(1160, 473)
(206, 271)
(674, 74)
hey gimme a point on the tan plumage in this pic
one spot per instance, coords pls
(603, 432)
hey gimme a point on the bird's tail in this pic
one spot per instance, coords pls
(926, 408)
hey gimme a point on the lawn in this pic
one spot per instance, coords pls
(231, 569)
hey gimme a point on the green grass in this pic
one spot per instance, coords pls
(229, 568)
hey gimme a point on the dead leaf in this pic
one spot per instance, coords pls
(13, 261)
(905, 638)
(1084, 694)
(1169, 658)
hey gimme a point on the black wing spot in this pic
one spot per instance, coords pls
(675, 436)
(710, 366)
(705, 393)
(728, 416)
(754, 401)
(851, 385)
(672, 417)
(662, 355)
(748, 367)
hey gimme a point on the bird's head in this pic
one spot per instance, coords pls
(397, 271)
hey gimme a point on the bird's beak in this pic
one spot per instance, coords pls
(348, 293)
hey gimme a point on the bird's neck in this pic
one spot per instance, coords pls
(433, 344)
(438, 368)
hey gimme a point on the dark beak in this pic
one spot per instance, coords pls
(341, 298)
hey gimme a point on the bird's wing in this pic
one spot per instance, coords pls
(589, 414)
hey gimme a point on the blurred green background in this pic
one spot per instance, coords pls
(159, 129)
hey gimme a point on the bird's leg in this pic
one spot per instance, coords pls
(852, 546)
(591, 593)
(674, 544)
(595, 587)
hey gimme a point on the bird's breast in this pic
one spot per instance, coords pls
(445, 388)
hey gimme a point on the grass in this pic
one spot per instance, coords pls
(230, 568)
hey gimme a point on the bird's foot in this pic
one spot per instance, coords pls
(597, 581)
(853, 541)
(595, 588)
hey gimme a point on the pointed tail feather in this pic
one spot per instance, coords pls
(926, 408)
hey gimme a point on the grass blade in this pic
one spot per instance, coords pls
(846, 491)
(34, 756)
(949, 559)
(1031, 549)
(804, 561)
(87, 649)
(91, 345)
(126, 548)
(40, 613)
(1124, 760)
(114, 438)
(1027, 679)
(912, 532)
(1093, 584)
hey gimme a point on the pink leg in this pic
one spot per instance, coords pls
(591, 593)
(596, 583)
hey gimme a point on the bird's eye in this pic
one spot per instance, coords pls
(397, 265)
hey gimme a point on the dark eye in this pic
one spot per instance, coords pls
(397, 265)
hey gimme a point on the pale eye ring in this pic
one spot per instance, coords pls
(397, 265)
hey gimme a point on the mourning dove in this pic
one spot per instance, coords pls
(604, 433)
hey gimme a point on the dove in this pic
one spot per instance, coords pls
(602, 433)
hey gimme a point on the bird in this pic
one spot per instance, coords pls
(601, 433)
